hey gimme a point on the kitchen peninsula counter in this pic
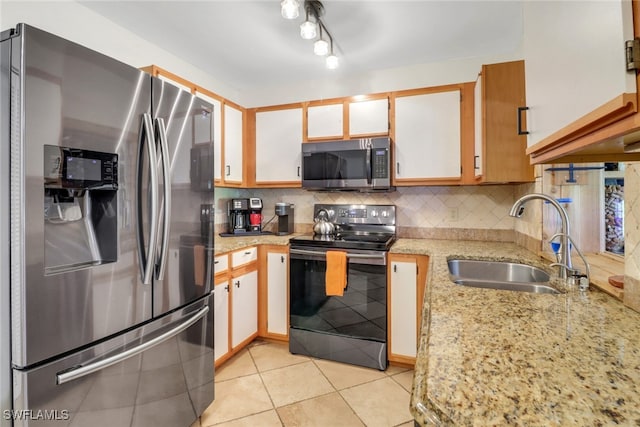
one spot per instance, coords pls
(489, 357)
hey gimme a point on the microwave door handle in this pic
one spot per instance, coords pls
(161, 134)
(368, 167)
(146, 254)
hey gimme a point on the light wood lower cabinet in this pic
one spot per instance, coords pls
(406, 285)
(251, 300)
(221, 346)
(235, 305)
(244, 309)
(274, 292)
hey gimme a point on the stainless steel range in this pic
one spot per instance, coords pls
(350, 328)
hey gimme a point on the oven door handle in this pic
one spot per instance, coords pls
(381, 255)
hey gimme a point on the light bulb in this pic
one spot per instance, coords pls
(308, 30)
(321, 47)
(332, 62)
(290, 9)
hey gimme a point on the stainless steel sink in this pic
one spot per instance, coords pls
(500, 275)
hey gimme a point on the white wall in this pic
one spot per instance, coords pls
(80, 24)
(417, 76)
(77, 23)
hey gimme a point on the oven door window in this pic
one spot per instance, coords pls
(360, 313)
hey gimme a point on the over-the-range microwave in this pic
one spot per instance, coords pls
(356, 164)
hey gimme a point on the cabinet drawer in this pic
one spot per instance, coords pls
(244, 256)
(220, 264)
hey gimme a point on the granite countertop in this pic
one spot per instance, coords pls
(229, 244)
(489, 357)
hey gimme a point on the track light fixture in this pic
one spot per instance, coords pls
(312, 28)
(290, 9)
(321, 46)
(332, 60)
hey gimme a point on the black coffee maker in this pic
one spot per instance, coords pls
(238, 212)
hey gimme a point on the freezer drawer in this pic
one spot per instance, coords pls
(170, 383)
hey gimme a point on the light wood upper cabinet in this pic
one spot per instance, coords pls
(347, 118)
(168, 76)
(217, 133)
(500, 149)
(370, 117)
(478, 128)
(227, 132)
(581, 98)
(233, 144)
(325, 121)
(428, 137)
(278, 140)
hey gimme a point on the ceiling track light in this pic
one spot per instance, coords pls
(320, 46)
(309, 29)
(332, 61)
(290, 9)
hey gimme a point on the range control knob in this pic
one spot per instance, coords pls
(374, 213)
(385, 214)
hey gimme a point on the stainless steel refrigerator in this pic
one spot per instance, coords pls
(107, 267)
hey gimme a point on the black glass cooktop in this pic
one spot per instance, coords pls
(371, 241)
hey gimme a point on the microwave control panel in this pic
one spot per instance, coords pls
(380, 163)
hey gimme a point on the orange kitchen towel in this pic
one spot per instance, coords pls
(198, 265)
(336, 274)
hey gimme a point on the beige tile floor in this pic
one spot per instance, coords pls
(265, 385)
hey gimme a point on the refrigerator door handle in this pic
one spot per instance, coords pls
(74, 374)
(161, 134)
(147, 255)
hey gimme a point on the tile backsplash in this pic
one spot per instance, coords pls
(473, 212)
(480, 212)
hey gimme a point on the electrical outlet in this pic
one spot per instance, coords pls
(452, 214)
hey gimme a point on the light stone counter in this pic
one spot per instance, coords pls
(489, 357)
(229, 244)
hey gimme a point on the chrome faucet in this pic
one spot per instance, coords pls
(564, 258)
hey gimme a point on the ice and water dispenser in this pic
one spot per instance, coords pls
(80, 208)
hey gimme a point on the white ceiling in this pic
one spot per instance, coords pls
(247, 44)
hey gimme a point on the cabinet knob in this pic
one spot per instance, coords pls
(247, 253)
(216, 262)
(226, 288)
(298, 171)
(238, 284)
(475, 162)
(228, 170)
(282, 259)
(395, 268)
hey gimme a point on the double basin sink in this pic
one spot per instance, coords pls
(500, 275)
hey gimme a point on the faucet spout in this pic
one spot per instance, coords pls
(564, 260)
